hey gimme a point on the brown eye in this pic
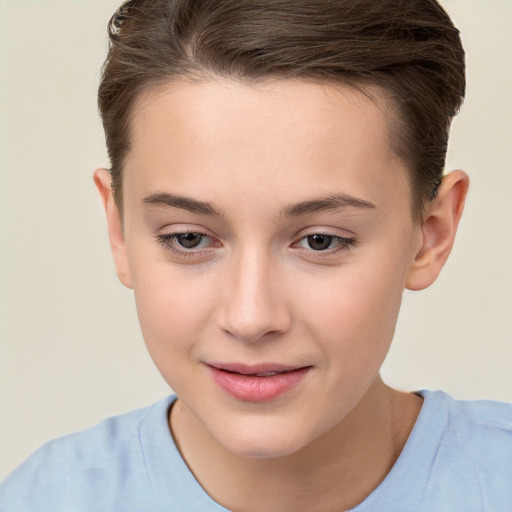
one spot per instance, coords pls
(189, 240)
(319, 242)
(187, 243)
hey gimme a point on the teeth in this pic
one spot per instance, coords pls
(266, 374)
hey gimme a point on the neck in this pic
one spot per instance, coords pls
(336, 471)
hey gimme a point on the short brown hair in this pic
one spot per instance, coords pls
(409, 49)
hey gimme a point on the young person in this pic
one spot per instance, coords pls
(275, 184)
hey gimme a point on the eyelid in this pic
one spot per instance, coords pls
(167, 241)
(343, 239)
(344, 244)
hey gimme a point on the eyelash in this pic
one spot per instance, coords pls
(167, 241)
(343, 244)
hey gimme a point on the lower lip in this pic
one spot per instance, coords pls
(251, 388)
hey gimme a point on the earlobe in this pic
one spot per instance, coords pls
(103, 183)
(438, 231)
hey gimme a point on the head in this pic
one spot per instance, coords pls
(274, 187)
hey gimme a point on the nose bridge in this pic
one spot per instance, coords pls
(253, 305)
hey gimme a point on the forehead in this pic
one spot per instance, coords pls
(293, 137)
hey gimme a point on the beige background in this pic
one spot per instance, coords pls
(71, 352)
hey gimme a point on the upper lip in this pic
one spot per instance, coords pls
(252, 369)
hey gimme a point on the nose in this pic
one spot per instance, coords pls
(254, 305)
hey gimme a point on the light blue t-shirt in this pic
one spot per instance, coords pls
(458, 458)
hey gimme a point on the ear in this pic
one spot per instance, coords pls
(438, 231)
(103, 183)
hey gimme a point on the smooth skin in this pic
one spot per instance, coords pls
(299, 241)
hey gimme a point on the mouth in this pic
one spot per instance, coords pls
(256, 383)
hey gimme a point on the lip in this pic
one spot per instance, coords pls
(256, 383)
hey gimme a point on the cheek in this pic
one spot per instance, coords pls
(173, 308)
(354, 313)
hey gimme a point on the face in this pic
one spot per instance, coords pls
(268, 236)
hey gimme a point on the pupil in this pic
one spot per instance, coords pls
(189, 240)
(319, 242)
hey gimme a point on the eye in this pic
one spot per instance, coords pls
(188, 242)
(319, 242)
(322, 242)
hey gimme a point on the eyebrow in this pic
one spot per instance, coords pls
(182, 202)
(331, 202)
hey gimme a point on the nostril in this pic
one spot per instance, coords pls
(263, 331)
(249, 335)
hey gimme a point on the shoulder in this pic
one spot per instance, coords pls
(458, 457)
(474, 452)
(481, 422)
(78, 468)
(483, 428)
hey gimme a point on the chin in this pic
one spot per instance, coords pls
(262, 441)
(262, 449)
